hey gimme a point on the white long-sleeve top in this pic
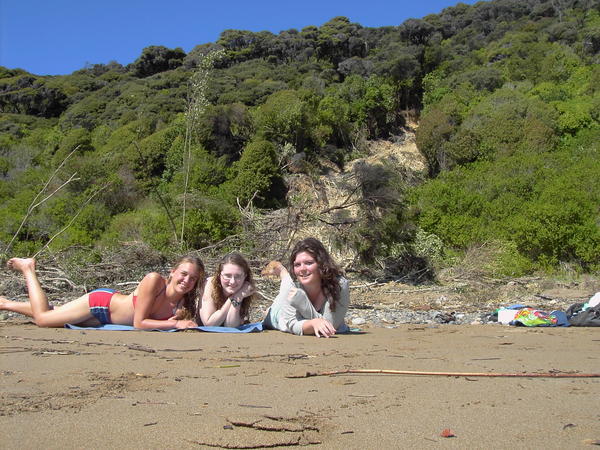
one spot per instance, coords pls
(292, 307)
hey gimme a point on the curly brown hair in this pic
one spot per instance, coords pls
(190, 299)
(218, 296)
(329, 270)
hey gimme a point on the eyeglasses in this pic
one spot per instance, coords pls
(232, 276)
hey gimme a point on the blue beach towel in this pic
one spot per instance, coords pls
(247, 328)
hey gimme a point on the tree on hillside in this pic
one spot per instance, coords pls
(156, 59)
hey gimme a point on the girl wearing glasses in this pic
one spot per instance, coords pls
(228, 294)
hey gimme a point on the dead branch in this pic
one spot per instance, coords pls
(345, 203)
(71, 178)
(291, 442)
(140, 348)
(248, 210)
(34, 205)
(366, 285)
(450, 374)
(66, 280)
(335, 224)
(72, 219)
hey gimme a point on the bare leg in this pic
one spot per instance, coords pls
(18, 307)
(37, 297)
(41, 311)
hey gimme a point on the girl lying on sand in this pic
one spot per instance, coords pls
(156, 303)
(229, 293)
(318, 302)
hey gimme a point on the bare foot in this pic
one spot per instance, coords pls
(3, 301)
(273, 269)
(21, 264)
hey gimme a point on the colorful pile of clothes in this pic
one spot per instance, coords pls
(579, 314)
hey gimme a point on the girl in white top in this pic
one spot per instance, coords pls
(319, 300)
(228, 293)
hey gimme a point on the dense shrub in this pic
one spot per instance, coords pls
(256, 176)
(532, 200)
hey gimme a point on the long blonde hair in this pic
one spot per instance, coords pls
(190, 299)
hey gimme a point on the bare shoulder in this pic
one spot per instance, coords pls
(153, 279)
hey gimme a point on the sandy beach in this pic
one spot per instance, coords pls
(109, 389)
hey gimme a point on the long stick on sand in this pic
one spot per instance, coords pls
(450, 374)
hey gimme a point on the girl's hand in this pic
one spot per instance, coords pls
(245, 291)
(178, 315)
(322, 327)
(181, 324)
(273, 269)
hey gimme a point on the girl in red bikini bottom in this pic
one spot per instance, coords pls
(156, 302)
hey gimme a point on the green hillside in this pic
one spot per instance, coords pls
(168, 150)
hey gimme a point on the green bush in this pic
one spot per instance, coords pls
(280, 119)
(545, 205)
(148, 224)
(147, 159)
(210, 220)
(256, 175)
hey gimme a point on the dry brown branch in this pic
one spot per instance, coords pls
(345, 203)
(294, 441)
(71, 178)
(140, 348)
(449, 374)
(366, 285)
(34, 203)
(248, 210)
(335, 224)
(218, 244)
(100, 189)
(66, 280)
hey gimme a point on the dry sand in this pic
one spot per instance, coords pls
(106, 389)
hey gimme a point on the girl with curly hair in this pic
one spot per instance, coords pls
(229, 293)
(314, 297)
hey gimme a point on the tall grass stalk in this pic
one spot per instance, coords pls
(196, 105)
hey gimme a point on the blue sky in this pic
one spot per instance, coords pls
(55, 37)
